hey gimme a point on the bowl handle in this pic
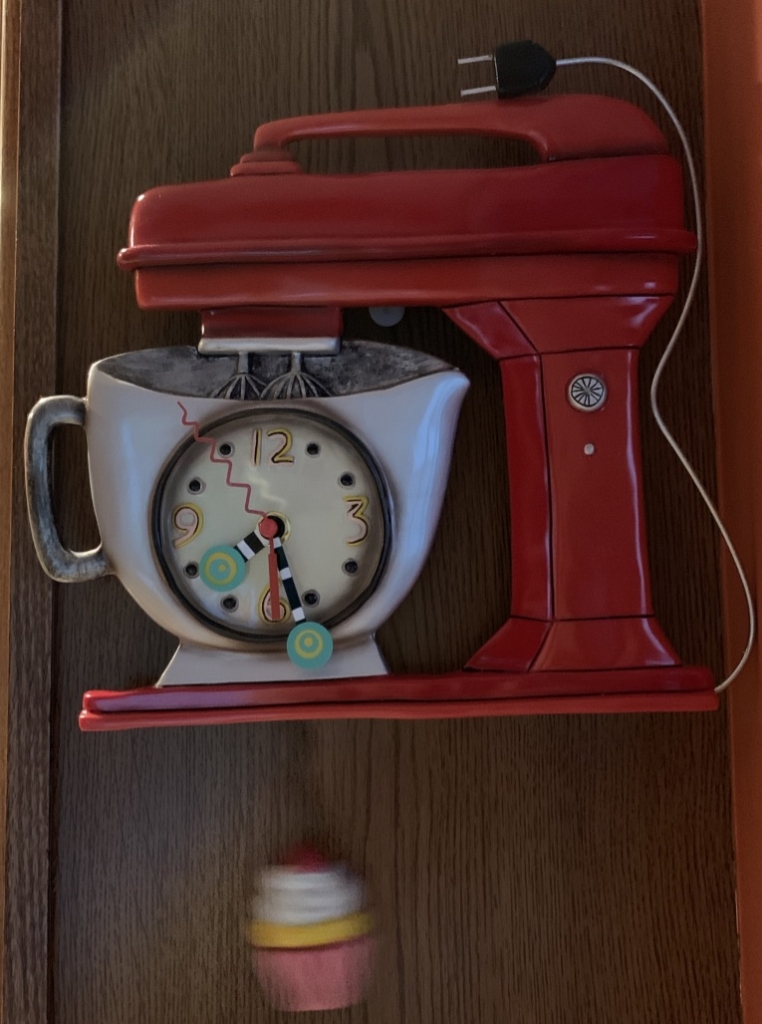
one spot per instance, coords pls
(58, 561)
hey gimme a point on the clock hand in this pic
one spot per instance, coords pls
(267, 531)
(284, 571)
(268, 528)
(223, 567)
(272, 564)
(252, 543)
(309, 644)
(280, 569)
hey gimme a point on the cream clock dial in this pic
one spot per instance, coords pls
(272, 501)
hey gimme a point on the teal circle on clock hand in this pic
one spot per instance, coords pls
(309, 645)
(222, 567)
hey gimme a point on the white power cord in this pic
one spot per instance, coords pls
(610, 62)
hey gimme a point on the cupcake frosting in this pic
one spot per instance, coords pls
(298, 907)
(292, 896)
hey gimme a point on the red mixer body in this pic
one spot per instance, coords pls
(559, 270)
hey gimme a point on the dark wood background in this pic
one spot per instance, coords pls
(533, 870)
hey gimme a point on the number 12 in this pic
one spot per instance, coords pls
(280, 455)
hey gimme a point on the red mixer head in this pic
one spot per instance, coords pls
(606, 192)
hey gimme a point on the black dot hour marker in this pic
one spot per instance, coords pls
(313, 449)
(196, 486)
(229, 603)
(191, 569)
(347, 480)
(226, 449)
(350, 567)
(311, 598)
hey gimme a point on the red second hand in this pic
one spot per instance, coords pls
(268, 529)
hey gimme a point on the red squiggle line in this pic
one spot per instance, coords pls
(187, 422)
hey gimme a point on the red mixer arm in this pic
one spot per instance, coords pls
(559, 127)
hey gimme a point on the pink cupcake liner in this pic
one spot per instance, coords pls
(319, 978)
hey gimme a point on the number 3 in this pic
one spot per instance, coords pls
(358, 506)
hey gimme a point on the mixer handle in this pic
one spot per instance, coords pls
(63, 565)
(559, 127)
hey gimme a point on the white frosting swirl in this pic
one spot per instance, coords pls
(293, 896)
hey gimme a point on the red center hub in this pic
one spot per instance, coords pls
(268, 528)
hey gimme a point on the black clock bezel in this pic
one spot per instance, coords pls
(273, 639)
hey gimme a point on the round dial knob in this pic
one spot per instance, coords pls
(587, 392)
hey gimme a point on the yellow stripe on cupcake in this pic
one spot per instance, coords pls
(269, 935)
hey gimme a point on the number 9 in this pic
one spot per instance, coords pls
(189, 520)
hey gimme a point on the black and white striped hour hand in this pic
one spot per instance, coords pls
(251, 545)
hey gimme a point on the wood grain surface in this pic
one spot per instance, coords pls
(532, 870)
(28, 298)
(733, 90)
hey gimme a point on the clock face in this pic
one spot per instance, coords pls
(274, 498)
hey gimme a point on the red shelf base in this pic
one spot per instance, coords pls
(466, 694)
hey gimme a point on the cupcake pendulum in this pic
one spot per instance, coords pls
(311, 934)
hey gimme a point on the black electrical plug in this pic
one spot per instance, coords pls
(520, 68)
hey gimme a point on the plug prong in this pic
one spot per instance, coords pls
(475, 60)
(478, 90)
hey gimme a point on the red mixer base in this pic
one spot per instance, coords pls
(466, 694)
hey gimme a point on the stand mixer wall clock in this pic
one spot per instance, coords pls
(271, 496)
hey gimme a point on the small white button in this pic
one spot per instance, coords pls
(589, 449)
